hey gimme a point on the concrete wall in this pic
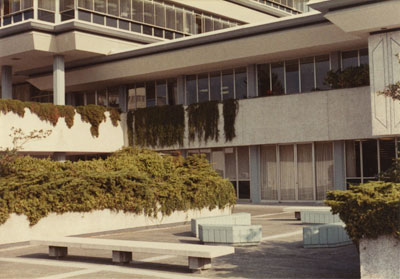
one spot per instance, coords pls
(318, 116)
(78, 138)
(380, 258)
(17, 229)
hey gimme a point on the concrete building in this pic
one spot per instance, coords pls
(297, 135)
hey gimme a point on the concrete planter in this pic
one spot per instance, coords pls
(17, 229)
(380, 258)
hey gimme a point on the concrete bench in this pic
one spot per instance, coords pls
(327, 235)
(319, 217)
(230, 234)
(199, 255)
(233, 219)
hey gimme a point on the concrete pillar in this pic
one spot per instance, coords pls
(384, 69)
(6, 82)
(252, 81)
(255, 181)
(35, 9)
(59, 80)
(339, 180)
(57, 12)
(59, 156)
(181, 90)
(123, 98)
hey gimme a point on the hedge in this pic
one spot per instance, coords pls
(131, 180)
(369, 210)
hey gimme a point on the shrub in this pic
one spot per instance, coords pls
(369, 210)
(131, 180)
(349, 77)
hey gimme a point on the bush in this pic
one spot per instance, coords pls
(369, 210)
(131, 180)
(349, 77)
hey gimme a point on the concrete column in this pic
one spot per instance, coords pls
(58, 80)
(57, 12)
(339, 180)
(59, 156)
(123, 98)
(6, 82)
(255, 185)
(35, 9)
(252, 81)
(384, 69)
(181, 90)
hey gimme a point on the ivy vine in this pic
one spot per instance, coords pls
(48, 112)
(157, 126)
(230, 111)
(203, 121)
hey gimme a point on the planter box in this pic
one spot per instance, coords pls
(230, 234)
(233, 219)
(380, 258)
(328, 235)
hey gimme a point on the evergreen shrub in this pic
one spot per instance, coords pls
(130, 180)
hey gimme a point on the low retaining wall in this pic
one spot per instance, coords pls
(17, 228)
(380, 258)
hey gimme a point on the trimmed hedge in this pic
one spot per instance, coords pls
(369, 210)
(131, 180)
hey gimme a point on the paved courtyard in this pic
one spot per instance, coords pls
(280, 255)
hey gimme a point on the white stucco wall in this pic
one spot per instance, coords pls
(380, 258)
(17, 229)
(78, 138)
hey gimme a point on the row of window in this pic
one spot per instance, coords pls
(290, 6)
(13, 11)
(159, 14)
(304, 74)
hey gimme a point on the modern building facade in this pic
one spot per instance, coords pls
(298, 133)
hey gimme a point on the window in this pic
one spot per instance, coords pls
(241, 83)
(263, 80)
(160, 14)
(161, 93)
(100, 6)
(15, 5)
(227, 85)
(150, 94)
(86, 4)
(140, 95)
(113, 97)
(125, 8)
(307, 74)
(102, 97)
(66, 5)
(179, 19)
(349, 59)
(26, 4)
(278, 80)
(208, 24)
(170, 13)
(47, 5)
(215, 86)
(189, 22)
(292, 76)
(137, 10)
(305, 172)
(322, 66)
(172, 92)
(191, 94)
(202, 88)
(323, 168)
(148, 12)
(269, 188)
(287, 177)
(364, 59)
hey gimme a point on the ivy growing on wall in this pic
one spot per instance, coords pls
(48, 112)
(203, 121)
(230, 110)
(157, 126)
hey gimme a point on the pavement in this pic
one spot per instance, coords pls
(280, 255)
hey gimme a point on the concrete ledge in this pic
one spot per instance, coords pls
(327, 235)
(230, 234)
(233, 219)
(319, 217)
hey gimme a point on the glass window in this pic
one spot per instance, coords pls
(131, 97)
(322, 66)
(369, 158)
(387, 153)
(364, 59)
(292, 76)
(172, 92)
(65, 5)
(230, 164)
(140, 95)
(150, 94)
(307, 74)
(149, 12)
(189, 22)
(349, 59)
(305, 175)
(243, 172)
(148, 30)
(6, 7)
(323, 168)
(353, 159)
(100, 6)
(208, 24)
(179, 19)
(15, 5)
(160, 14)
(47, 5)
(269, 168)
(102, 97)
(202, 87)
(191, 94)
(215, 86)
(198, 24)
(170, 12)
(79, 99)
(90, 98)
(241, 83)
(161, 93)
(113, 97)
(217, 24)
(263, 80)
(125, 8)
(137, 10)
(86, 4)
(227, 85)
(287, 172)
(26, 4)
(277, 76)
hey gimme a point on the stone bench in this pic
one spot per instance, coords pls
(230, 234)
(199, 256)
(319, 217)
(327, 235)
(233, 219)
